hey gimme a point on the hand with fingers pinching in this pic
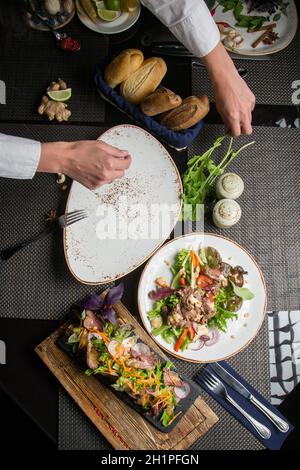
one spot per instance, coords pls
(92, 163)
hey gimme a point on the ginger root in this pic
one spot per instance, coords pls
(54, 110)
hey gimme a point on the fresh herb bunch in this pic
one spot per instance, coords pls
(201, 174)
(254, 22)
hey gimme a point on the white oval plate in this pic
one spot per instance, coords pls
(124, 22)
(151, 180)
(240, 331)
(286, 28)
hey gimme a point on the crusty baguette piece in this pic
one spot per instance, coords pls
(122, 66)
(159, 101)
(191, 111)
(144, 81)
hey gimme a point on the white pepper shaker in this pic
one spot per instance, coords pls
(226, 213)
(229, 186)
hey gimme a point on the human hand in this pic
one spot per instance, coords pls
(235, 103)
(234, 99)
(92, 163)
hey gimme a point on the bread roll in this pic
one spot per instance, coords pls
(124, 65)
(144, 81)
(191, 111)
(159, 101)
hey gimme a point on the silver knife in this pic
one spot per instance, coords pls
(240, 388)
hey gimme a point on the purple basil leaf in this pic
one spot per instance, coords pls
(114, 295)
(109, 314)
(161, 293)
(92, 302)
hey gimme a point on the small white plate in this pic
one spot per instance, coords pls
(98, 252)
(286, 29)
(124, 22)
(241, 331)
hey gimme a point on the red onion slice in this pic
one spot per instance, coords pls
(205, 338)
(129, 342)
(115, 348)
(196, 345)
(214, 337)
(183, 391)
(140, 349)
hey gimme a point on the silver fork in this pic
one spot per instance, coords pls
(216, 386)
(60, 222)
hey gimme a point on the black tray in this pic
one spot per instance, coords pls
(183, 406)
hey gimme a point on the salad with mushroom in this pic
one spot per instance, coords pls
(111, 349)
(204, 294)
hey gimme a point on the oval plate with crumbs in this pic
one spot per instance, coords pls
(129, 219)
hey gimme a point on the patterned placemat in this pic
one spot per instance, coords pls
(284, 349)
(76, 432)
(270, 80)
(36, 283)
(270, 204)
(32, 62)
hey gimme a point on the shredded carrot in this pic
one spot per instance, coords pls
(195, 259)
(174, 417)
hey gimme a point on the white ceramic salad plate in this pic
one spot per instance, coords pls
(124, 226)
(119, 25)
(286, 28)
(240, 331)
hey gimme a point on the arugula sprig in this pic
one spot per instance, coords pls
(201, 174)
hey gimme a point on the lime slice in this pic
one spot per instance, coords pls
(114, 5)
(108, 15)
(60, 95)
(130, 5)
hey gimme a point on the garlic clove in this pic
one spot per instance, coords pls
(226, 213)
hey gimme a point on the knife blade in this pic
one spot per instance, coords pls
(230, 380)
(282, 425)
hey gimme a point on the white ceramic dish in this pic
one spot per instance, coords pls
(152, 180)
(121, 24)
(286, 29)
(242, 330)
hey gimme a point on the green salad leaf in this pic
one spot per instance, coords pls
(242, 292)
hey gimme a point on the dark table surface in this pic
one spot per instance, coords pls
(36, 411)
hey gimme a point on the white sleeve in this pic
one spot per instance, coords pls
(19, 157)
(190, 21)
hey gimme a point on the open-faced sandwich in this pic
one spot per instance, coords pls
(113, 352)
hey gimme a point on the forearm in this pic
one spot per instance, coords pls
(219, 64)
(54, 157)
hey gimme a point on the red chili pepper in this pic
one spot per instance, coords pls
(182, 281)
(223, 23)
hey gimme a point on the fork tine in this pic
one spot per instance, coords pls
(74, 220)
(209, 377)
(214, 378)
(75, 216)
(209, 381)
(74, 213)
(204, 382)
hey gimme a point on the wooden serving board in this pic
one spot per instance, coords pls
(122, 426)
